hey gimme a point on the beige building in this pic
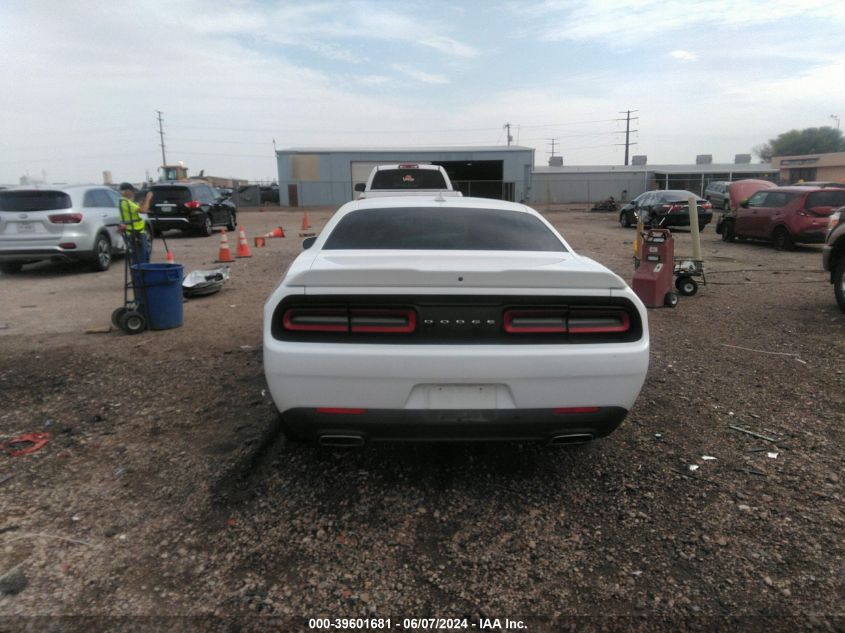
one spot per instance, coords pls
(810, 167)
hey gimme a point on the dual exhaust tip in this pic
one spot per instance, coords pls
(357, 441)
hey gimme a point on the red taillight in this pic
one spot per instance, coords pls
(340, 411)
(68, 245)
(308, 320)
(193, 204)
(576, 410)
(706, 205)
(535, 321)
(675, 208)
(383, 321)
(599, 322)
(66, 218)
(357, 321)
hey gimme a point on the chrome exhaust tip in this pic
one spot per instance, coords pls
(341, 441)
(573, 438)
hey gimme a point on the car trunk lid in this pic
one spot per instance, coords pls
(26, 214)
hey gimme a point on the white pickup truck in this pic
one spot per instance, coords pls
(406, 179)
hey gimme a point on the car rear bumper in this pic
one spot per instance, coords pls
(399, 378)
(826, 251)
(682, 219)
(175, 222)
(544, 425)
(41, 254)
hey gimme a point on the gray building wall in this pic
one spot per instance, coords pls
(330, 184)
(560, 188)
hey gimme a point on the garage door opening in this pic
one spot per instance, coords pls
(479, 178)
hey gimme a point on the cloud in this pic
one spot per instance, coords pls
(372, 80)
(683, 56)
(419, 75)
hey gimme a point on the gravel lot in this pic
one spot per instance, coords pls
(165, 489)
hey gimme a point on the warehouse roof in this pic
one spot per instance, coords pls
(716, 168)
(405, 149)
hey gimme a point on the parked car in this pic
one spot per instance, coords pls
(190, 206)
(407, 179)
(717, 194)
(269, 193)
(449, 319)
(670, 207)
(784, 215)
(77, 223)
(833, 254)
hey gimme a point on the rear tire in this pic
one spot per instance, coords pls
(10, 268)
(839, 283)
(728, 234)
(207, 228)
(624, 220)
(687, 286)
(782, 240)
(671, 299)
(117, 315)
(102, 254)
(233, 222)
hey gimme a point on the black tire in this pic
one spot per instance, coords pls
(671, 299)
(782, 240)
(10, 268)
(624, 220)
(839, 283)
(233, 222)
(207, 226)
(687, 286)
(133, 322)
(117, 315)
(728, 234)
(726, 205)
(101, 259)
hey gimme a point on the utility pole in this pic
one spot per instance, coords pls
(628, 130)
(161, 135)
(553, 141)
(507, 126)
(833, 116)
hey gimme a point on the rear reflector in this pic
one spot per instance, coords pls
(576, 410)
(340, 411)
(67, 245)
(535, 321)
(598, 322)
(357, 321)
(66, 218)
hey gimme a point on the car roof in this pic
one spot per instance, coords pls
(800, 189)
(65, 188)
(677, 192)
(410, 165)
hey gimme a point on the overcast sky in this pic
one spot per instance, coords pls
(82, 80)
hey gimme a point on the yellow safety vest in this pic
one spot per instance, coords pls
(129, 215)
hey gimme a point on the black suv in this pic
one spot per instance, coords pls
(189, 206)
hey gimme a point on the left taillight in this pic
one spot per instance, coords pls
(193, 204)
(66, 218)
(355, 321)
(706, 205)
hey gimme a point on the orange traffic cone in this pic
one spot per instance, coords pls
(259, 241)
(225, 254)
(243, 245)
(169, 257)
(305, 230)
(277, 232)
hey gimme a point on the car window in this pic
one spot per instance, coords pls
(442, 229)
(778, 199)
(97, 198)
(171, 194)
(408, 179)
(758, 199)
(114, 198)
(829, 198)
(205, 194)
(34, 200)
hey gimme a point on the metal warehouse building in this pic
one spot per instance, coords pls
(592, 183)
(327, 177)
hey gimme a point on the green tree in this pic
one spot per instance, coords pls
(811, 140)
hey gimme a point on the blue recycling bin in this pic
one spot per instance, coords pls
(160, 286)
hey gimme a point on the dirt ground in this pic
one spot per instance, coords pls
(167, 500)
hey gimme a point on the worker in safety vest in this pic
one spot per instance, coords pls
(133, 224)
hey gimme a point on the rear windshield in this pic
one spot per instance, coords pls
(171, 194)
(828, 198)
(34, 200)
(442, 229)
(676, 196)
(408, 179)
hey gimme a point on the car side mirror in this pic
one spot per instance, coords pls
(744, 203)
(360, 186)
(308, 242)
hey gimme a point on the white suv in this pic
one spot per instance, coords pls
(77, 223)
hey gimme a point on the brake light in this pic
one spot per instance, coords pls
(409, 166)
(598, 322)
(383, 321)
(675, 208)
(66, 218)
(356, 321)
(535, 321)
(193, 204)
(575, 410)
(340, 411)
(307, 320)
(706, 205)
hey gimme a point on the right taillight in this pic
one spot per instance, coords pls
(599, 322)
(193, 204)
(535, 321)
(66, 218)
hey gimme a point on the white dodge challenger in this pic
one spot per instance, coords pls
(450, 319)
